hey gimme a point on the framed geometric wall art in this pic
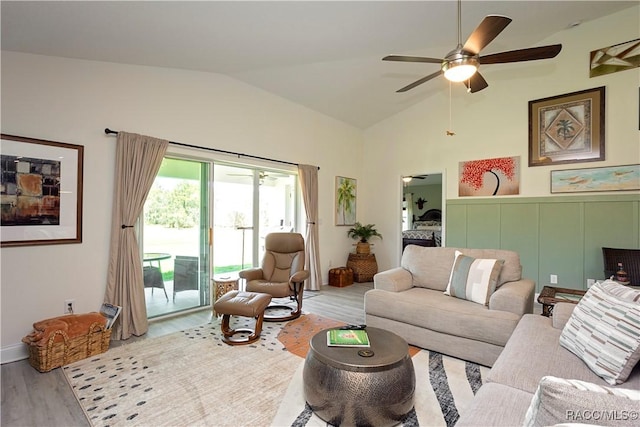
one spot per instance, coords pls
(611, 59)
(346, 191)
(40, 192)
(607, 178)
(567, 128)
(489, 177)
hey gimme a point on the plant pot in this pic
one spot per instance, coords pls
(363, 248)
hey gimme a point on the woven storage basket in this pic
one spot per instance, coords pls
(341, 276)
(68, 350)
(364, 266)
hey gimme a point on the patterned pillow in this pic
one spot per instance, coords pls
(604, 331)
(571, 401)
(473, 279)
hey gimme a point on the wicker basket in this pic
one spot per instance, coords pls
(340, 277)
(68, 350)
(364, 266)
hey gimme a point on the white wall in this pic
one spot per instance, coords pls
(494, 123)
(73, 101)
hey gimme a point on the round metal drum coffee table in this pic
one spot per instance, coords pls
(347, 386)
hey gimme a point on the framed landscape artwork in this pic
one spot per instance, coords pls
(568, 128)
(608, 178)
(346, 191)
(40, 192)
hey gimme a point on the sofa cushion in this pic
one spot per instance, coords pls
(496, 405)
(431, 267)
(604, 331)
(473, 279)
(535, 341)
(431, 309)
(559, 400)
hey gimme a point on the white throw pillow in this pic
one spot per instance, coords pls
(559, 400)
(604, 330)
(473, 279)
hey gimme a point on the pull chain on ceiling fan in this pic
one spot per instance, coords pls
(462, 63)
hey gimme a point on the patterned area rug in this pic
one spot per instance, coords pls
(193, 378)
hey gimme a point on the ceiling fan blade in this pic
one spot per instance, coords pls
(419, 82)
(476, 83)
(529, 54)
(489, 28)
(402, 58)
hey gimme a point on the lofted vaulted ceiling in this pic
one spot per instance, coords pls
(325, 55)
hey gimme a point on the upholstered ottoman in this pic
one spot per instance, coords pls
(247, 304)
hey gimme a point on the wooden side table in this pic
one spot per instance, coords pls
(551, 295)
(364, 266)
(223, 284)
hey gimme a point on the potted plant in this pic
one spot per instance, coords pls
(363, 233)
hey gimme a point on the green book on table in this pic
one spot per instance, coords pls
(347, 338)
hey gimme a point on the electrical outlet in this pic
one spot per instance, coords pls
(553, 279)
(590, 282)
(69, 306)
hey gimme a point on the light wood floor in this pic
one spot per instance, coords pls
(33, 399)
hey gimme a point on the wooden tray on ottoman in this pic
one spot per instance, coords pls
(340, 277)
(61, 349)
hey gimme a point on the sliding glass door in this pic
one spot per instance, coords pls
(176, 255)
(244, 203)
(248, 204)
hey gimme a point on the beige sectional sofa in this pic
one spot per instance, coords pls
(410, 302)
(534, 352)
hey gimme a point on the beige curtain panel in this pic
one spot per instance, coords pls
(309, 183)
(138, 159)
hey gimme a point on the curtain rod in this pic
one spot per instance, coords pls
(233, 153)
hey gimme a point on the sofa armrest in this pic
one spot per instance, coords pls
(394, 280)
(561, 314)
(514, 297)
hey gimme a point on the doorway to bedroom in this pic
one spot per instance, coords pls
(423, 210)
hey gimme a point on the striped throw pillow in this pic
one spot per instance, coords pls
(604, 331)
(473, 279)
(559, 400)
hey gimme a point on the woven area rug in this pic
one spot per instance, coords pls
(192, 378)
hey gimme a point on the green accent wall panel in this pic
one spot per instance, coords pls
(561, 235)
(608, 224)
(456, 226)
(561, 244)
(483, 226)
(519, 229)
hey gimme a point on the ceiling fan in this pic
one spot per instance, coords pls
(406, 179)
(461, 64)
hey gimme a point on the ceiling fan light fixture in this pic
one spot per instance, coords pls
(407, 179)
(460, 69)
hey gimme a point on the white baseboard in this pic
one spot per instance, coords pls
(13, 353)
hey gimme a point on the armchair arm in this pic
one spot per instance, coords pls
(299, 276)
(395, 280)
(514, 297)
(251, 274)
(561, 314)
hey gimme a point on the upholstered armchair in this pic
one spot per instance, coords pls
(281, 275)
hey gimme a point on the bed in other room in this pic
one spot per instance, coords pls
(426, 230)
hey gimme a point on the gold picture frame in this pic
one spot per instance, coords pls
(567, 128)
(40, 192)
